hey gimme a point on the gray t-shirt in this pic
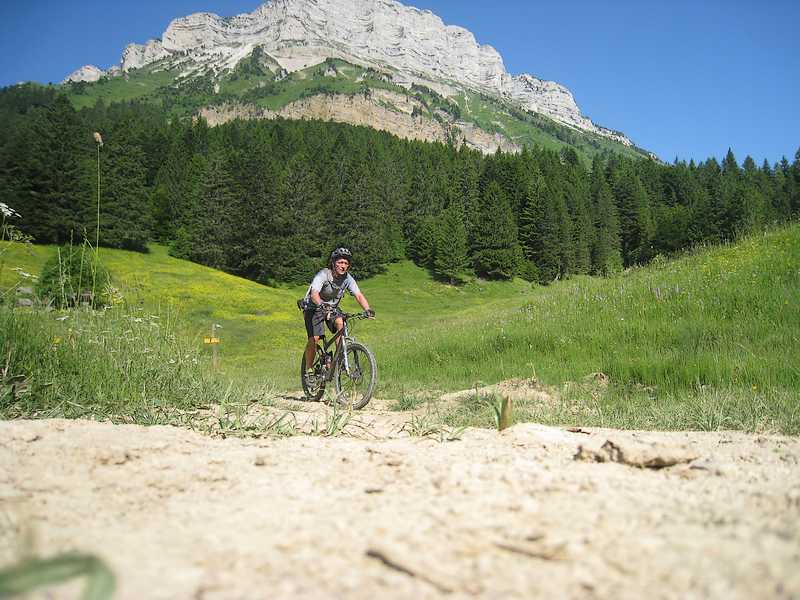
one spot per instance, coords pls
(331, 288)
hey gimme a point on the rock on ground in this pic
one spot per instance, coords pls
(511, 515)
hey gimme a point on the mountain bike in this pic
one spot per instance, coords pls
(351, 367)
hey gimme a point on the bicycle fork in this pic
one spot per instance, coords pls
(345, 360)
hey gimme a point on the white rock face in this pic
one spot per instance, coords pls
(394, 114)
(138, 55)
(88, 73)
(414, 44)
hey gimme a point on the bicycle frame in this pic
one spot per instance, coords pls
(344, 334)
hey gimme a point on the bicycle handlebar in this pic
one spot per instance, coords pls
(359, 315)
(346, 316)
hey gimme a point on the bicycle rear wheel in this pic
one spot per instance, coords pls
(354, 387)
(313, 394)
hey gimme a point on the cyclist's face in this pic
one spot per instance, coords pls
(341, 266)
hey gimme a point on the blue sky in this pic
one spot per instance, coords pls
(681, 78)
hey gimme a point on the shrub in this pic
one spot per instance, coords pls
(73, 275)
(528, 271)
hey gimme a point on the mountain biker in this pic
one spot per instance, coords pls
(323, 297)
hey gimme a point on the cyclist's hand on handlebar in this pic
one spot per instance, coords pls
(370, 313)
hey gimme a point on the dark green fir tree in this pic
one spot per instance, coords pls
(451, 258)
(497, 252)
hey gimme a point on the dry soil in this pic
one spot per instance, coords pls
(532, 512)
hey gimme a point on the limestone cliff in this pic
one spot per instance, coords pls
(88, 73)
(414, 45)
(383, 110)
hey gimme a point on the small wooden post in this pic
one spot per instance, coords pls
(214, 347)
(214, 342)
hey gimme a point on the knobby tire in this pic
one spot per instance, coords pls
(356, 389)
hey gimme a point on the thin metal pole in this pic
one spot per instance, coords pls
(97, 235)
(214, 350)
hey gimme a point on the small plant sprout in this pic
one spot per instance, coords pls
(34, 574)
(505, 417)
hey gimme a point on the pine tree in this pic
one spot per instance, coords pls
(259, 222)
(174, 186)
(422, 201)
(636, 222)
(583, 231)
(729, 164)
(451, 252)
(794, 189)
(468, 190)
(162, 215)
(125, 212)
(755, 204)
(296, 251)
(190, 214)
(565, 235)
(360, 225)
(538, 229)
(779, 209)
(606, 257)
(212, 224)
(59, 174)
(497, 253)
(423, 246)
(15, 147)
(708, 209)
(391, 187)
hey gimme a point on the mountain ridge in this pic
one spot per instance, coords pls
(414, 45)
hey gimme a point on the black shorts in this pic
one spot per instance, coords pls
(316, 321)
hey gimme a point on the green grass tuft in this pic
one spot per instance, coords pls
(124, 365)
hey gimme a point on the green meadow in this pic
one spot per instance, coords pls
(708, 340)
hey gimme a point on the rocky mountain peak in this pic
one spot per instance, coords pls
(415, 45)
(88, 73)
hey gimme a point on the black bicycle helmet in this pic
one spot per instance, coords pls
(341, 253)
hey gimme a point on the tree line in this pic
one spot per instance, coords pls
(267, 200)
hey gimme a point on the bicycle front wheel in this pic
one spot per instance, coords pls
(355, 381)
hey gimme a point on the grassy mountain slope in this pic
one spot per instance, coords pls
(259, 83)
(706, 341)
(255, 319)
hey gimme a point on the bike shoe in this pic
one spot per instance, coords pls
(310, 380)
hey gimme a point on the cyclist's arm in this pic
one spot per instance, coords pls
(316, 287)
(362, 301)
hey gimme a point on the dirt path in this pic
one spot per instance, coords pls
(379, 514)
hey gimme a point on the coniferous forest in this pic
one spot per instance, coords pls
(267, 200)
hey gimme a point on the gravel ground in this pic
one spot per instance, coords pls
(532, 512)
